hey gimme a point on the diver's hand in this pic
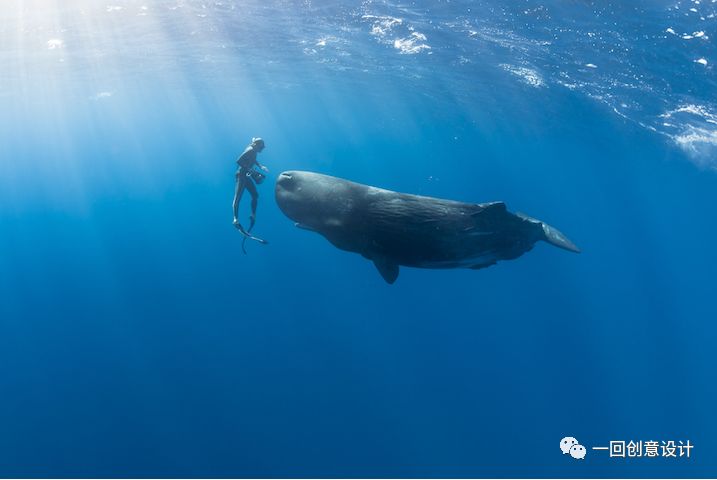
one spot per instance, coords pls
(264, 168)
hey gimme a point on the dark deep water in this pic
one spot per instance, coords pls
(137, 340)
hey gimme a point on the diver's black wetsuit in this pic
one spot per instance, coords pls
(246, 161)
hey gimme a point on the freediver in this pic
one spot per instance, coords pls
(247, 178)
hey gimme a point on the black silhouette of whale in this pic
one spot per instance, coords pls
(392, 228)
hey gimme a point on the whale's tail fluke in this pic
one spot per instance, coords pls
(551, 235)
(556, 237)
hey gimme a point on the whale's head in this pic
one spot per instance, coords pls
(314, 201)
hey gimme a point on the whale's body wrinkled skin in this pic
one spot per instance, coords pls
(392, 228)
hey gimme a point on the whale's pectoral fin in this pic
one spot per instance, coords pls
(387, 269)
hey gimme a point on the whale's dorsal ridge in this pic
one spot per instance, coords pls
(490, 206)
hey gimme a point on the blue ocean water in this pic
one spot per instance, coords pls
(137, 340)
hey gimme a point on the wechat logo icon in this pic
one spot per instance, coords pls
(571, 446)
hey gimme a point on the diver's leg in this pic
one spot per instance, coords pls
(238, 192)
(254, 201)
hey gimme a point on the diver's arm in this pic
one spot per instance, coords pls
(261, 166)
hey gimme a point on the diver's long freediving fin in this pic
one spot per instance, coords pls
(249, 236)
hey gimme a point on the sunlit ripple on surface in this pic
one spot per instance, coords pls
(642, 61)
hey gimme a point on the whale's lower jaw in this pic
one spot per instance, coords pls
(479, 261)
(389, 269)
